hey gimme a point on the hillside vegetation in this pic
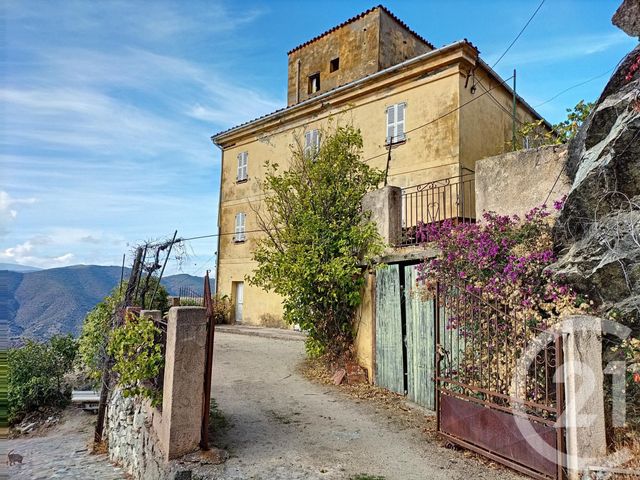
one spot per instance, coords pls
(43, 303)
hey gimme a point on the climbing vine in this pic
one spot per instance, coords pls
(138, 357)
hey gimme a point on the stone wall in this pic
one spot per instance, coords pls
(144, 440)
(516, 182)
(133, 443)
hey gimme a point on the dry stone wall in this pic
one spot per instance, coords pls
(133, 443)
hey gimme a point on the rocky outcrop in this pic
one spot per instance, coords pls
(598, 231)
(627, 17)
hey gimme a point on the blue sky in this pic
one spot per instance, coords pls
(108, 107)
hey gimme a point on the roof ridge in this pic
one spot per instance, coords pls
(358, 17)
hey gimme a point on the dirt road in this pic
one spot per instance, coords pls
(283, 426)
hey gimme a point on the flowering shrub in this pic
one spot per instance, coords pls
(498, 294)
(502, 260)
(633, 68)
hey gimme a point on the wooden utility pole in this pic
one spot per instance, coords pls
(208, 367)
(513, 127)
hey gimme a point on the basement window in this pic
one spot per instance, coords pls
(334, 64)
(314, 83)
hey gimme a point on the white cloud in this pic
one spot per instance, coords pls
(8, 211)
(51, 249)
(25, 254)
(557, 49)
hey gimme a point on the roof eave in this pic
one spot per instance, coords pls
(218, 138)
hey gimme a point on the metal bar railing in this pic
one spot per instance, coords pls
(431, 203)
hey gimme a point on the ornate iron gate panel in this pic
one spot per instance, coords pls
(496, 383)
(389, 351)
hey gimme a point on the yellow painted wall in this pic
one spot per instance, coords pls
(486, 128)
(364, 326)
(428, 154)
(448, 142)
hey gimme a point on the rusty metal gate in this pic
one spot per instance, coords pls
(496, 383)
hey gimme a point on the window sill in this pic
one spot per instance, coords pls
(396, 143)
(244, 180)
(238, 241)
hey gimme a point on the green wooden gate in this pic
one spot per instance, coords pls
(420, 342)
(405, 335)
(389, 351)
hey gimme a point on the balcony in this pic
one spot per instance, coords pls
(434, 202)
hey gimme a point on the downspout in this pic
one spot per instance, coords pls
(298, 81)
(219, 213)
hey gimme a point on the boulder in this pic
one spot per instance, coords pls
(597, 234)
(627, 17)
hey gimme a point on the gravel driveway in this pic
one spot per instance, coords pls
(282, 426)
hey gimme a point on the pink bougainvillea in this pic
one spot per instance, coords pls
(502, 259)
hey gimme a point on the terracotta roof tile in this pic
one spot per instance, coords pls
(358, 17)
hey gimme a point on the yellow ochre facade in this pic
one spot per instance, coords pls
(449, 122)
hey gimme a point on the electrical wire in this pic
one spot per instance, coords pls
(519, 34)
(578, 85)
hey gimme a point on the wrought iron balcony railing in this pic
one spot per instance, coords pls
(434, 202)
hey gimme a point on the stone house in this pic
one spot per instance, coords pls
(422, 109)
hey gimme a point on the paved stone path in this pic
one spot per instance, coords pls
(283, 427)
(63, 454)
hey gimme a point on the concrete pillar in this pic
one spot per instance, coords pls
(584, 392)
(385, 205)
(183, 380)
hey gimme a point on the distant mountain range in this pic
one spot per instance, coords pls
(15, 267)
(40, 303)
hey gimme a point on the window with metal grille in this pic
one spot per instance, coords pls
(395, 123)
(311, 142)
(240, 227)
(243, 162)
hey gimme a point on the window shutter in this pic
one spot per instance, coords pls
(240, 228)
(307, 142)
(243, 160)
(390, 123)
(400, 108)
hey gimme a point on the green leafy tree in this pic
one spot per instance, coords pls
(97, 325)
(568, 128)
(536, 134)
(36, 375)
(317, 238)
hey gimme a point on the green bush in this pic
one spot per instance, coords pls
(96, 328)
(138, 357)
(36, 375)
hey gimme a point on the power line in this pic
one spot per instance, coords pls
(519, 34)
(575, 86)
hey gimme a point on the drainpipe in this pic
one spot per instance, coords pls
(298, 81)
(219, 218)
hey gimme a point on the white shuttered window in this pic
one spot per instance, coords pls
(311, 142)
(243, 162)
(395, 122)
(240, 227)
